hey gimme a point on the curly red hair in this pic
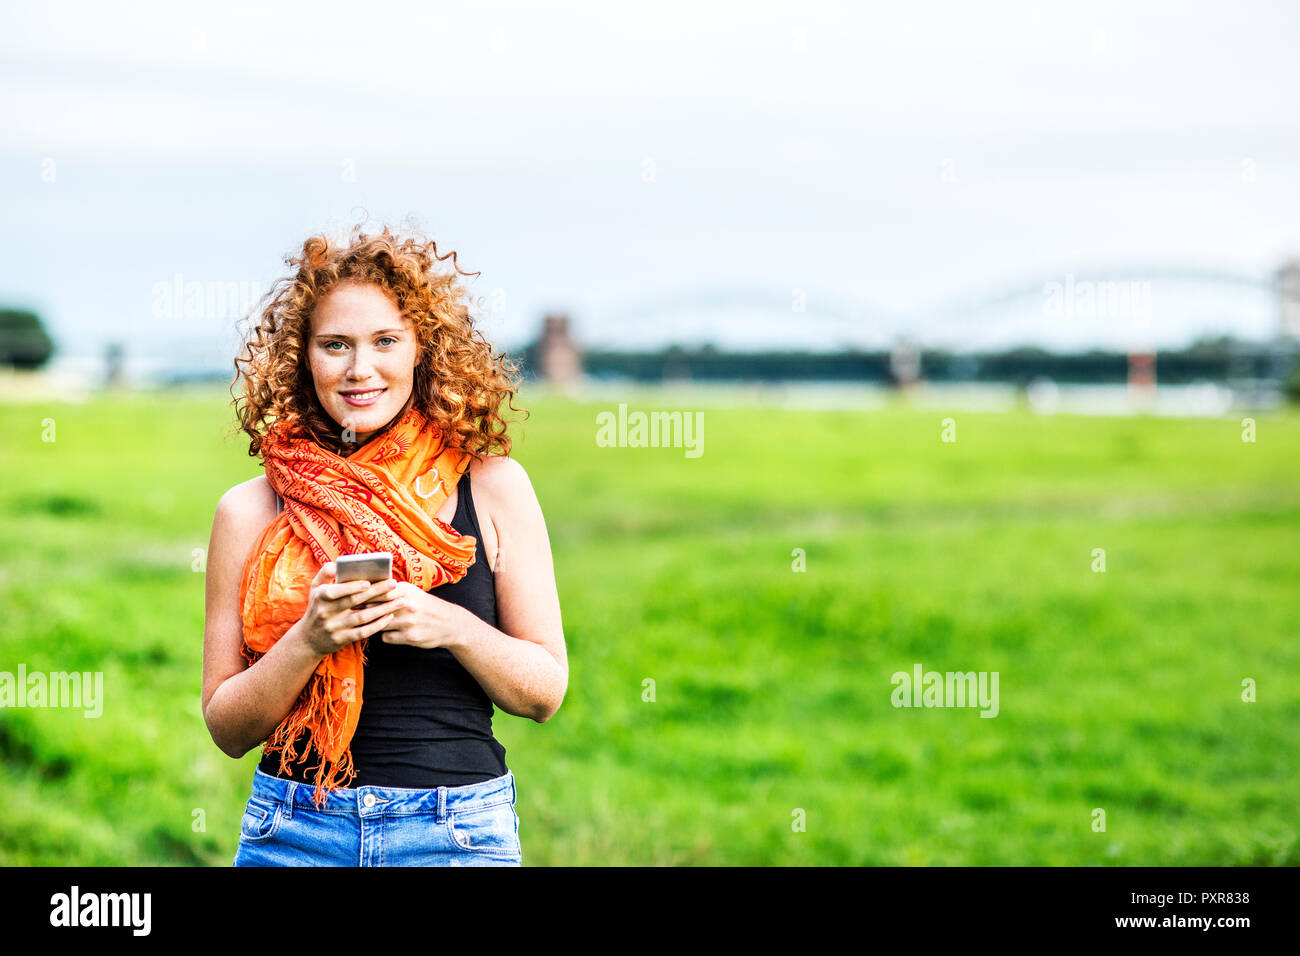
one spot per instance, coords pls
(459, 382)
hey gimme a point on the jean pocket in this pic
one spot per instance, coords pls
(493, 829)
(261, 820)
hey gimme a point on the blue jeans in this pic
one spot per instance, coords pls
(472, 825)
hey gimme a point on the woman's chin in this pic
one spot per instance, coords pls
(364, 423)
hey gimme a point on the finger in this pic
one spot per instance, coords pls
(336, 593)
(364, 615)
(381, 590)
(324, 574)
(365, 630)
(395, 626)
(353, 618)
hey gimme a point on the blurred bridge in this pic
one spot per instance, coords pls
(951, 319)
(876, 344)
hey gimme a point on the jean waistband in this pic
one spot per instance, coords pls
(373, 800)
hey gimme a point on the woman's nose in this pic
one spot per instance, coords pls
(360, 367)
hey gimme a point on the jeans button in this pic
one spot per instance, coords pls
(368, 799)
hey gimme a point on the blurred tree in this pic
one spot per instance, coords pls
(1292, 386)
(24, 342)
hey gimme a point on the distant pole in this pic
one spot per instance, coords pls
(114, 365)
(905, 365)
(1142, 379)
(1288, 288)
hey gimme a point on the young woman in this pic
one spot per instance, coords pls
(374, 405)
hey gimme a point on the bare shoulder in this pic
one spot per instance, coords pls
(504, 492)
(242, 514)
(248, 498)
(503, 482)
(499, 473)
(245, 509)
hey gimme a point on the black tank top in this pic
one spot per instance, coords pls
(425, 721)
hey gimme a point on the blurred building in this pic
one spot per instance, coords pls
(905, 363)
(559, 361)
(1289, 300)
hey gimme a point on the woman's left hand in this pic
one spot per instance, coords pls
(421, 619)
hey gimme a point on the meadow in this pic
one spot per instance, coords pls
(765, 592)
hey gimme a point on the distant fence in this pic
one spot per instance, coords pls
(1021, 366)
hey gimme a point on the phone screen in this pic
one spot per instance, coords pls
(373, 566)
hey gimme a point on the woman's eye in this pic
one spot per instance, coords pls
(329, 346)
(387, 338)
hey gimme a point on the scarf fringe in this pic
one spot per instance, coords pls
(315, 706)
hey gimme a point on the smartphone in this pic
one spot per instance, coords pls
(372, 566)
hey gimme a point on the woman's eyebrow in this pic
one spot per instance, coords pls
(339, 335)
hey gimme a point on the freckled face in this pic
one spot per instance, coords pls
(362, 354)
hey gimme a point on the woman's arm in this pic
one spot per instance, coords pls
(242, 704)
(524, 663)
(522, 667)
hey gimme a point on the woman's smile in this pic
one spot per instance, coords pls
(360, 398)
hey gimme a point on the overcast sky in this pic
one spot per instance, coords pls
(619, 162)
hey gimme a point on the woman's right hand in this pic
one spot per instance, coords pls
(334, 618)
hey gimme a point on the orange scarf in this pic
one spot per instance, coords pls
(382, 497)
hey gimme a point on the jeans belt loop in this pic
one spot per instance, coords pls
(442, 804)
(288, 800)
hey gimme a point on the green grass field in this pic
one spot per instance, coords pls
(1119, 690)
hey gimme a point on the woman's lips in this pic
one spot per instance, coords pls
(361, 399)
